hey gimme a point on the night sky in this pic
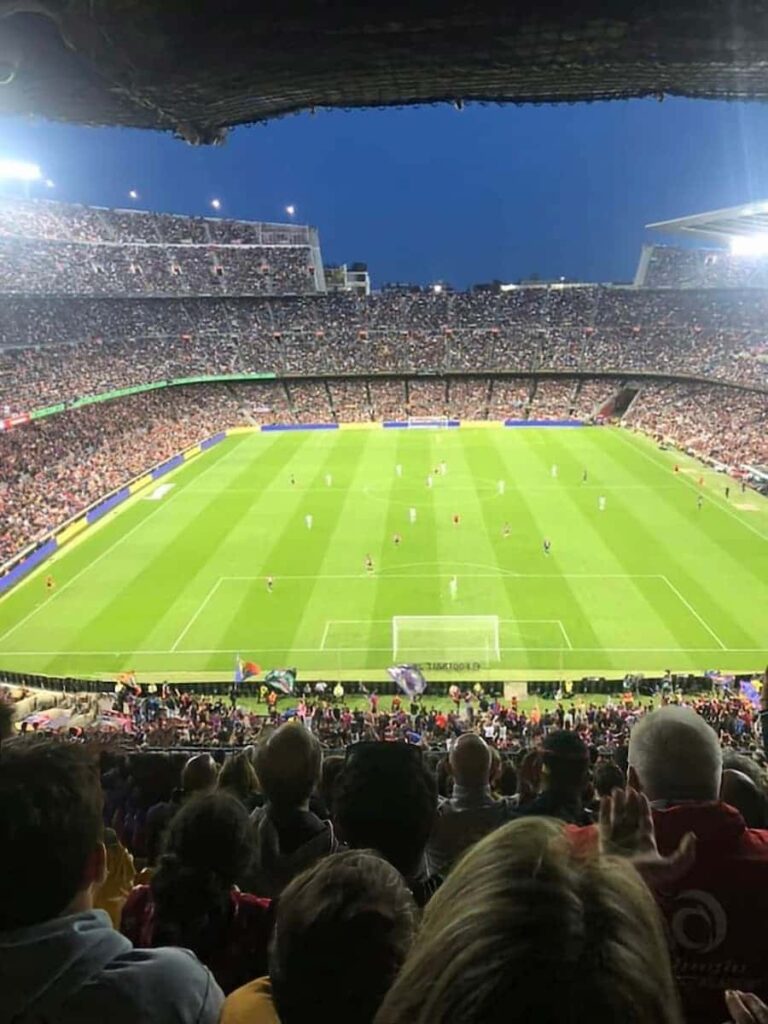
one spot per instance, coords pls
(432, 193)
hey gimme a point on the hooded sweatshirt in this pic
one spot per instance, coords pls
(76, 969)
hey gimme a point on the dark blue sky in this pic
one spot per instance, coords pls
(434, 194)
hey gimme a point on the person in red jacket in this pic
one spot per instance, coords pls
(716, 910)
(193, 900)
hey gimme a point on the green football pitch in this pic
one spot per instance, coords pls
(173, 585)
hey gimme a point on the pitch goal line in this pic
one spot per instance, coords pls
(361, 627)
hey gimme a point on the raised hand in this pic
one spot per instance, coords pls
(626, 830)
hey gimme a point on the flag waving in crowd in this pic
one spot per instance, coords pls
(409, 678)
(245, 670)
(282, 680)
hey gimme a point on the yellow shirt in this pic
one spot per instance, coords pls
(251, 1004)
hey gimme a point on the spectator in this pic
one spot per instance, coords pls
(472, 811)
(61, 960)
(386, 799)
(544, 936)
(238, 778)
(288, 836)
(675, 759)
(199, 775)
(608, 776)
(343, 930)
(193, 900)
(564, 775)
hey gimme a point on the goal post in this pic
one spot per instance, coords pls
(428, 421)
(446, 638)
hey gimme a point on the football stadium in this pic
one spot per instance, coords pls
(387, 641)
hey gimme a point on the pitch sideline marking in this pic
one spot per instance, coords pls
(693, 612)
(661, 466)
(197, 614)
(57, 593)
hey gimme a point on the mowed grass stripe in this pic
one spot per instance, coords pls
(152, 606)
(673, 622)
(279, 620)
(404, 581)
(88, 572)
(524, 455)
(698, 550)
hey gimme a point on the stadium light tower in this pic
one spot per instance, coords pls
(290, 210)
(437, 288)
(216, 204)
(19, 170)
(133, 194)
(749, 245)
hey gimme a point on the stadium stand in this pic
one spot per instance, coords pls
(49, 248)
(670, 267)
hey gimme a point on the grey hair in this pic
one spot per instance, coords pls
(676, 755)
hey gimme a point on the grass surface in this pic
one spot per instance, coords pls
(176, 586)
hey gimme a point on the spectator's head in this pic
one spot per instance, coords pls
(332, 767)
(207, 849)
(50, 832)
(675, 755)
(521, 928)
(508, 779)
(199, 774)
(343, 930)
(238, 777)
(565, 762)
(386, 799)
(608, 776)
(471, 761)
(738, 790)
(288, 766)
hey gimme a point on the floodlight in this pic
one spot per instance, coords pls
(133, 194)
(19, 170)
(749, 245)
(216, 204)
(290, 209)
(437, 288)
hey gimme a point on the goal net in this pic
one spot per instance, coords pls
(446, 638)
(427, 421)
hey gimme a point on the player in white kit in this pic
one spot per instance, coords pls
(412, 515)
(501, 486)
(453, 587)
(328, 479)
(308, 521)
(601, 503)
(553, 471)
(399, 469)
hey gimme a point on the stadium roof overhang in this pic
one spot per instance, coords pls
(197, 68)
(748, 222)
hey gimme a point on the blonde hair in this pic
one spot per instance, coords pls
(523, 930)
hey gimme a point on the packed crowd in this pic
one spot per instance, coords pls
(55, 467)
(57, 349)
(49, 248)
(282, 882)
(670, 267)
(716, 424)
(70, 222)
